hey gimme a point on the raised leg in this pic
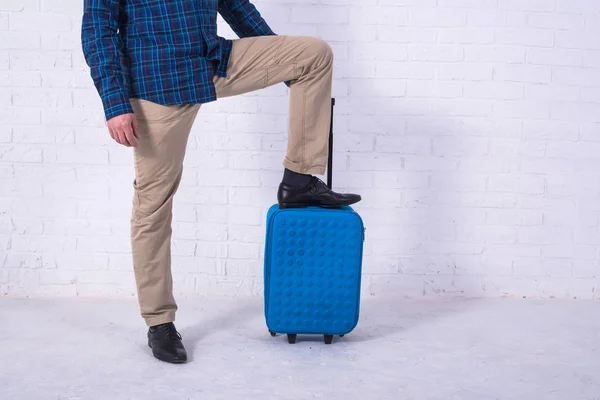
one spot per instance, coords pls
(306, 62)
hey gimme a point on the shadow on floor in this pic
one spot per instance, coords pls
(232, 316)
(379, 319)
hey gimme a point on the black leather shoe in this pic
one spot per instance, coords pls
(316, 193)
(166, 345)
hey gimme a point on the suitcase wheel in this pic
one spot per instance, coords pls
(328, 339)
(341, 335)
(272, 333)
(291, 338)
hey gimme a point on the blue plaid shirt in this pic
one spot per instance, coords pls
(163, 51)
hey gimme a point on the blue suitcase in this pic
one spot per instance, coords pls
(313, 267)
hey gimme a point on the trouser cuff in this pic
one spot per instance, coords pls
(161, 319)
(316, 170)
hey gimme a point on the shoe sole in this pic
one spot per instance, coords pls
(304, 205)
(170, 361)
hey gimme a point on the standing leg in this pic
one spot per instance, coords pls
(307, 62)
(163, 135)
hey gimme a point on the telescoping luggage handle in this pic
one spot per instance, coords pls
(330, 153)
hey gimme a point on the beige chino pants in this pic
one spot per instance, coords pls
(255, 63)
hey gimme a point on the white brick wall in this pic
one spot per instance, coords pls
(470, 127)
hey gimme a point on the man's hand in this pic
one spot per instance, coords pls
(124, 129)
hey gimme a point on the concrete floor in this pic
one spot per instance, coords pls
(433, 349)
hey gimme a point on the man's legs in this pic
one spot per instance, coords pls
(163, 136)
(307, 62)
(164, 130)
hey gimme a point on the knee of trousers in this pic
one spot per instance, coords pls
(154, 199)
(322, 51)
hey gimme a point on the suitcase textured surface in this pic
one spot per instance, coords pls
(313, 265)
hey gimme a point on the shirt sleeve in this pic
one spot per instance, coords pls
(102, 49)
(244, 18)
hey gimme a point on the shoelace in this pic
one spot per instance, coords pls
(170, 332)
(314, 185)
